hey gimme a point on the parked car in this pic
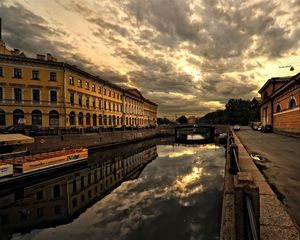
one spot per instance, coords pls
(267, 128)
(30, 130)
(236, 128)
(259, 128)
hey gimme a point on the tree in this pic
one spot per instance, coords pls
(163, 121)
(237, 111)
(182, 119)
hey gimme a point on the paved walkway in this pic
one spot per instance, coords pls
(281, 165)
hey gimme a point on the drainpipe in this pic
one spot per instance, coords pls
(65, 95)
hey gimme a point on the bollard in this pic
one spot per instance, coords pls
(233, 169)
(245, 186)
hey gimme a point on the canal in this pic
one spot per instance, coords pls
(154, 189)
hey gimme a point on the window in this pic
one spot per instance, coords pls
(80, 118)
(88, 119)
(35, 75)
(17, 115)
(1, 72)
(2, 117)
(109, 93)
(17, 73)
(87, 85)
(53, 118)
(278, 109)
(72, 118)
(52, 76)
(104, 91)
(40, 212)
(1, 94)
(114, 95)
(72, 99)
(36, 117)
(71, 80)
(79, 83)
(39, 195)
(4, 219)
(99, 89)
(104, 105)
(87, 101)
(74, 202)
(94, 103)
(292, 103)
(80, 100)
(93, 88)
(57, 209)
(100, 120)
(56, 191)
(53, 96)
(36, 95)
(82, 181)
(18, 94)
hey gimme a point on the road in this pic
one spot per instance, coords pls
(281, 164)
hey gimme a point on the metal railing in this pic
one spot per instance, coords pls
(251, 231)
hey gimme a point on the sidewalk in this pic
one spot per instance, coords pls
(275, 222)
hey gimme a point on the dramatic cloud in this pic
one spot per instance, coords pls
(188, 56)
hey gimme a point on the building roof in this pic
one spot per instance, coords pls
(273, 80)
(53, 63)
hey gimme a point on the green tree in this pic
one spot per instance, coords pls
(182, 119)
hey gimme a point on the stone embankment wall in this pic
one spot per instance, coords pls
(94, 140)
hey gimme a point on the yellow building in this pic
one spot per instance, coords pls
(50, 94)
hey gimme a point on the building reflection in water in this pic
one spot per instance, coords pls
(61, 199)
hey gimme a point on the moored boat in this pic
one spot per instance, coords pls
(46, 160)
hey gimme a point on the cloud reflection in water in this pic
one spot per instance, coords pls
(176, 197)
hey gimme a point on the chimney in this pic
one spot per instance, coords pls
(49, 57)
(40, 56)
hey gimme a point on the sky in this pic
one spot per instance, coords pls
(188, 56)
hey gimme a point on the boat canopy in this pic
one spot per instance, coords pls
(14, 139)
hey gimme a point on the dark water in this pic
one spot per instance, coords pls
(142, 191)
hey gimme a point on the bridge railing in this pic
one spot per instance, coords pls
(246, 196)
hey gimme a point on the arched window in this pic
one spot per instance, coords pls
(118, 121)
(17, 114)
(292, 103)
(72, 117)
(100, 119)
(113, 120)
(94, 120)
(36, 117)
(80, 118)
(278, 109)
(2, 117)
(105, 120)
(109, 120)
(88, 119)
(53, 118)
(127, 121)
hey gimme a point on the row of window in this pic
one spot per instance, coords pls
(106, 105)
(36, 118)
(106, 92)
(35, 74)
(36, 95)
(292, 104)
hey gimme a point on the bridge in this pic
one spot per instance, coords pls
(191, 133)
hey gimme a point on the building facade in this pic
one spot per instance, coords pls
(50, 94)
(280, 105)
